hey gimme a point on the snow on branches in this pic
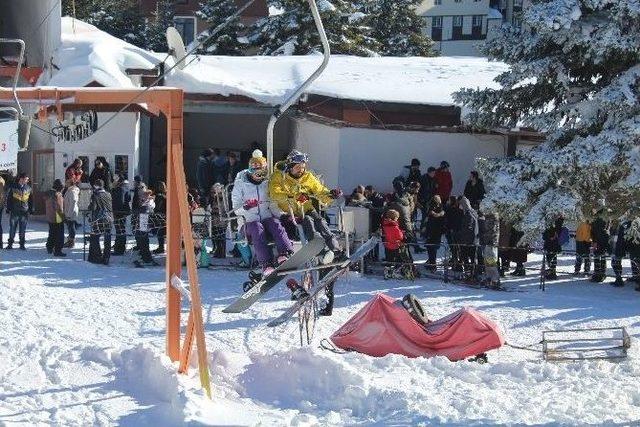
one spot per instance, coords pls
(575, 75)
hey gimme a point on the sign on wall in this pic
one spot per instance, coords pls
(76, 127)
(9, 144)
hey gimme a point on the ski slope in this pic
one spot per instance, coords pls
(83, 345)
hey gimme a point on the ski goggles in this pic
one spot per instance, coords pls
(258, 170)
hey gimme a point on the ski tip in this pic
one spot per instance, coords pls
(231, 309)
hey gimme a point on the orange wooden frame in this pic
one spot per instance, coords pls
(168, 101)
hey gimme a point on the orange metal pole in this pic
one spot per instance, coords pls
(174, 263)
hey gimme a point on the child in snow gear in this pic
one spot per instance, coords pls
(160, 216)
(489, 242)
(54, 211)
(121, 203)
(218, 223)
(71, 212)
(101, 215)
(628, 242)
(583, 247)
(19, 206)
(394, 248)
(601, 247)
(250, 200)
(146, 204)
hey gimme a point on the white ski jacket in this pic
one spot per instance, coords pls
(243, 191)
(71, 198)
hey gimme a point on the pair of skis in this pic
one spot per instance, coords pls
(298, 259)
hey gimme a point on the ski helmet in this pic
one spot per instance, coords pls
(296, 157)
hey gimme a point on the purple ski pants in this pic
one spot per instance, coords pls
(256, 232)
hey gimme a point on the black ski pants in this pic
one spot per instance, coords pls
(313, 223)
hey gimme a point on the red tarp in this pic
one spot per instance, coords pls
(383, 326)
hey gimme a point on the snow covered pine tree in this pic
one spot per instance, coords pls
(396, 26)
(574, 74)
(120, 18)
(214, 13)
(156, 29)
(293, 32)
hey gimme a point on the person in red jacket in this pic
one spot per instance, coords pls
(395, 250)
(74, 172)
(393, 235)
(444, 180)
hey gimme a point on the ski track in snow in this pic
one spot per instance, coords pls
(83, 345)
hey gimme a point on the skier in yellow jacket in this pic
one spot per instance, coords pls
(292, 187)
(583, 247)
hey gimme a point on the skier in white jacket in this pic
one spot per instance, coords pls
(250, 199)
(71, 212)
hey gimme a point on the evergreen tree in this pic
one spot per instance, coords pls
(575, 75)
(294, 31)
(155, 32)
(215, 12)
(120, 18)
(397, 27)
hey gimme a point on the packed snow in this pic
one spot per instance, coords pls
(90, 55)
(82, 344)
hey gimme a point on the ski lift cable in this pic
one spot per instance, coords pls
(178, 62)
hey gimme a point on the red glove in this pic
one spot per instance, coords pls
(335, 193)
(249, 204)
(302, 198)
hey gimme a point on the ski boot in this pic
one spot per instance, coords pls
(388, 273)
(326, 256)
(618, 282)
(254, 278)
(297, 291)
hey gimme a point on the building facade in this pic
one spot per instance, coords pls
(458, 26)
(511, 10)
(189, 25)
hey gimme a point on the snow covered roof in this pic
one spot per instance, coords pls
(92, 55)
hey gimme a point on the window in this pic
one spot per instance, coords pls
(186, 26)
(437, 2)
(456, 33)
(457, 21)
(458, 1)
(436, 28)
(476, 21)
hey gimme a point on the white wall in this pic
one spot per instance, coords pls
(118, 137)
(376, 156)
(322, 143)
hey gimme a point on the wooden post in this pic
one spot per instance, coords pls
(174, 263)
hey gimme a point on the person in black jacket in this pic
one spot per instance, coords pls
(428, 187)
(453, 216)
(121, 203)
(600, 238)
(101, 172)
(19, 207)
(628, 242)
(552, 247)
(204, 176)
(401, 201)
(434, 229)
(474, 189)
(101, 215)
(467, 237)
(160, 216)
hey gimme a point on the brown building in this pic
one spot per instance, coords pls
(189, 25)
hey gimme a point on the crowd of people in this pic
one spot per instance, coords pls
(414, 218)
(421, 212)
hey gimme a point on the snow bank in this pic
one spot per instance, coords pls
(89, 54)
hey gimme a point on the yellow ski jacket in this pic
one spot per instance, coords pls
(285, 189)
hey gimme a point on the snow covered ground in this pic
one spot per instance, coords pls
(83, 345)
